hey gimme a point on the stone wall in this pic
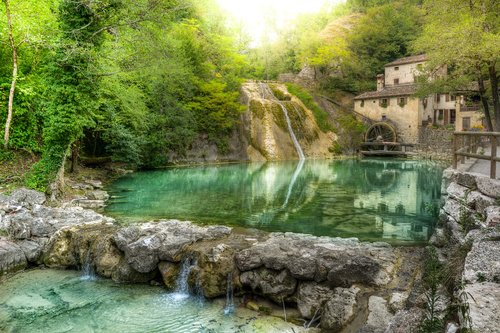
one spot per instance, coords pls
(470, 221)
(435, 139)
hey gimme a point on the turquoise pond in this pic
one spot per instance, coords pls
(371, 199)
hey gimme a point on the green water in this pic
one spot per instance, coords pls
(372, 200)
(55, 301)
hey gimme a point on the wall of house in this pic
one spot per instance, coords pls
(476, 119)
(406, 118)
(406, 73)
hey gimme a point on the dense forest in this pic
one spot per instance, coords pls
(140, 80)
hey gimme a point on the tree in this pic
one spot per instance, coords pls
(14, 74)
(464, 36)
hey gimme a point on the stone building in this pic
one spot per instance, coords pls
(394, 102)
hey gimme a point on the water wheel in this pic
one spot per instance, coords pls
(380, 132)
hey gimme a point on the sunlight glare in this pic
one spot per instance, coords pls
(254, 15)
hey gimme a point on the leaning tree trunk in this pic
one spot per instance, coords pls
(14, 75)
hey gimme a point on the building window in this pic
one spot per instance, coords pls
(440, 114)
(447, 97)
(419, 67)
(396, 68)
(465, 123)
(453, 116)
(383, 102)
(438, 98)
(362, 103)
(452, 97)
(396, 81)
(402, 101)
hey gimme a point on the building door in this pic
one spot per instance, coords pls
(465, 123)
(446, 117)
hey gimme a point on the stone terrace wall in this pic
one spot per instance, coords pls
(470, 219)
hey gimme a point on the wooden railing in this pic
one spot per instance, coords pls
(475, 145)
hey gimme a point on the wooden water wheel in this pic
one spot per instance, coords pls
(380, 132)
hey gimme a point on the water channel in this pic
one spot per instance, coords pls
(373, 200)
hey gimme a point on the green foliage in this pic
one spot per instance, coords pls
(432, 278)
(319, 114)
(350, 132)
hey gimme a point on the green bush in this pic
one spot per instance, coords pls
(319, 114)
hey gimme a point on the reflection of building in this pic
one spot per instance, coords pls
(397, 199)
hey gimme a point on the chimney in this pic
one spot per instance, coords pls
(380, 82)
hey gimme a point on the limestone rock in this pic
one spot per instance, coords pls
(89, 203)
(98, 195)
(276, 285)
(32, 250)
(492, 216)
(484, 304)
(307, 257)
(405, 321)
(311, 298)
(340, 309)
(379, 316)
(483, 262)
(479, 202)
(145, 245)
(27, 198)
(216, 265)
(124, 273)
(488, 186)
(352, 270)
(12, 257)
(169, 272)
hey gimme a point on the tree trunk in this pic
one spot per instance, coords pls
(14, 75)
(494, 93)
(484, 101)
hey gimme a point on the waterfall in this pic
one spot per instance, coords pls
(229, 308)
(181, 290)
(88, 272)
(267, 93)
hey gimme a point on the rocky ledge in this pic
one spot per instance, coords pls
(337, 284)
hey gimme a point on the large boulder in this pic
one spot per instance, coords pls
(341, 261)
(147, 244)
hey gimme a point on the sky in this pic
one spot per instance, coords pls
(251, 13)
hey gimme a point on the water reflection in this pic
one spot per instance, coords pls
(368, 199)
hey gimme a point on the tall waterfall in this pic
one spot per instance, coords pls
(267, 93)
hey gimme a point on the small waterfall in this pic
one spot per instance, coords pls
(229, 308)
(88, 272)
(267, 93)
(182, 290)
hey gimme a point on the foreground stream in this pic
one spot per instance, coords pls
(62, 301)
